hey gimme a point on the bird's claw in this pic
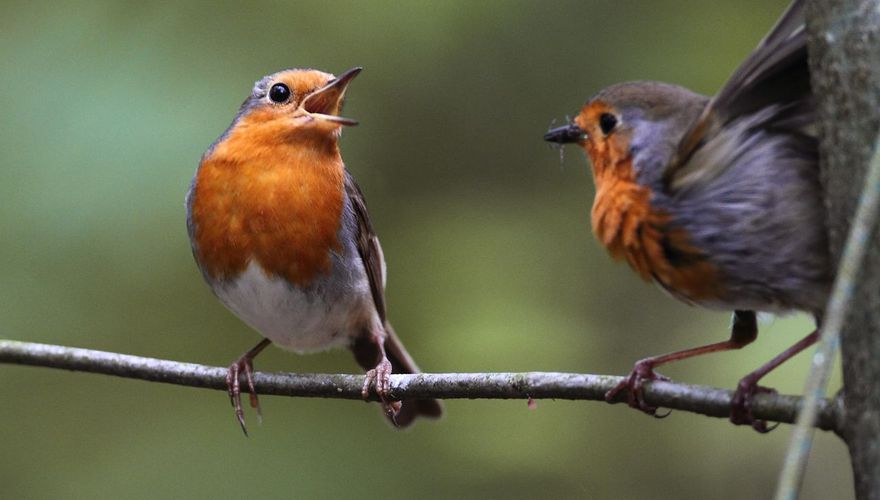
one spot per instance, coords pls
(642, 372)
(233, 385)
(380, 378)
(741, 405)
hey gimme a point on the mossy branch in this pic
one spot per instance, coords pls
(703, 400)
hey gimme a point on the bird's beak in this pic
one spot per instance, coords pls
(326, 102)
(565, 134)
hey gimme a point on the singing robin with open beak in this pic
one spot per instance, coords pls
(280, 232)
(717, 200)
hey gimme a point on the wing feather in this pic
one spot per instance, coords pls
(368, 245)
(772, 84)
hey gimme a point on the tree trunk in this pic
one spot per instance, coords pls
(844, 38)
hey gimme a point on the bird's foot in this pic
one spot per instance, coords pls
(741, 405)
(380, 378)
(642, 372)
(233, 384)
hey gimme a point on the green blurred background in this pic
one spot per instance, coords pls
(107, 108)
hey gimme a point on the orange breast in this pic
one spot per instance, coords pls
(277, 202)
(625, 222)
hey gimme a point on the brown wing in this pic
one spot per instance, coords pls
(368, 245)
(364, 347)
(776, 74)
(374, 262)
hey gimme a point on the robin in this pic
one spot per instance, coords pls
(716, 200)
(280, 232)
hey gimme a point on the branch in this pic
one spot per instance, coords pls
(844, 47)
(529, 385)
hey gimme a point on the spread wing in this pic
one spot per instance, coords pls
(772, 86)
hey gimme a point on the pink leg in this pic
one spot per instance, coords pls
(740, 411)
(246, 364)
(743, 331)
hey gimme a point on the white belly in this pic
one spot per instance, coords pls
(298, 319)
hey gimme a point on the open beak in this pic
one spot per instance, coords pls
(565, 134)
(326, 102)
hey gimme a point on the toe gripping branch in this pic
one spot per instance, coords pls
(380, 378)
(244, 364)
(744, 330)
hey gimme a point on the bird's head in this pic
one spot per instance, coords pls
(636, 123)
(296, 104)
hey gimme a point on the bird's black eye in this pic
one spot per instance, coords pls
(607, 122)
(279, 93)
